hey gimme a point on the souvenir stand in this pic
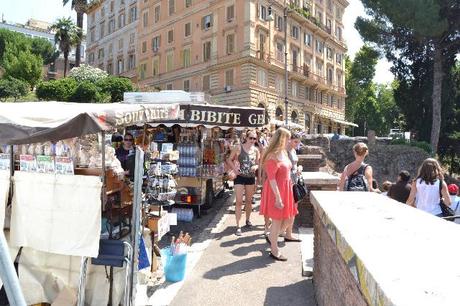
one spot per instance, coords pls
(197, 139)
(68, 182)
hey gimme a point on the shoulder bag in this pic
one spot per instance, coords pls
(445, 209)
(299, 189)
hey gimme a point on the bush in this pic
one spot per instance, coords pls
(87, 73)
(115, 87)
(59, 90)
(13, 88)
(425, 146)
(87, 92)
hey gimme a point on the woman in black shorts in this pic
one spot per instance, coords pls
(244, 160)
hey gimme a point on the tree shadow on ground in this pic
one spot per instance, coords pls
(245, 250)
(299, 294)
(240, 266)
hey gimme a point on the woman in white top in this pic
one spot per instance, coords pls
(424, 193)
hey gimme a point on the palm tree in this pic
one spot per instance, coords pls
(80, 7)
(66, 35)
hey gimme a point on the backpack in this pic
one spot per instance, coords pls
(357, 181)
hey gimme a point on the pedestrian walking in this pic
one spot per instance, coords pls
(244, 160)
(454, 200)
(296, 172)
(400, 190)
(428, 188)
(277, 202)
(357, 176)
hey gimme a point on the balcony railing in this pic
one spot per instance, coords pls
(264, 56)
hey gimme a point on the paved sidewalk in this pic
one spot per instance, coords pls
(238, 271)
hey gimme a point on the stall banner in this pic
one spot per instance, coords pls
(45, 164)
(4, 190)
(222, 116)
(5, 161)
(27, 163)
(58, 214)
(64, 165)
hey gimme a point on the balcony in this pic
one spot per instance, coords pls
(263, 56)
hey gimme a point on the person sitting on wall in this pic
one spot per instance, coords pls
(401, 189)
(126, 154)
(455, 200)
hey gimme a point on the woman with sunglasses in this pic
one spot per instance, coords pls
(124, 153)
(244, 160)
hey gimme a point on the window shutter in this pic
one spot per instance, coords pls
(258, 9)
(202, 22)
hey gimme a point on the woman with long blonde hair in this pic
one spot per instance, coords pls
(277, 201)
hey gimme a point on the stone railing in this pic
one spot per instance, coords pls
(371, 250)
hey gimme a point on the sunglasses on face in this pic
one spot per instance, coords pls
(128, 139)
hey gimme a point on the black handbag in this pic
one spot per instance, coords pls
(445, 210)
(299, 189)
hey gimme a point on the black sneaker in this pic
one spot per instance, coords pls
(248, 223)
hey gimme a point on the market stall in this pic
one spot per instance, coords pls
(69, 189)
(197, 137)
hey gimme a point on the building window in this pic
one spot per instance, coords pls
(144, 46)
(294, 88)
(338, 13)
(262, 78)
(110, 49)
(295, 62)
(145, 19)
(170, 61)
(156, 66)
(120, 66)
(329, 53)
(111, 26)
(230, 13)
(206, 82)
(169, 86)
(156, 43)
(110, 68)
(294, 117)
(279, 21)
(262, 12)
(338, 58)
(91, 58)
(100, 54)
(112, 5)
(279, 85)
(186, 58)
(172, 7)
(103, 12)
(188, 3)
(329, 26)
(338, 33)
(132, 62)
(132, 14)
(307, 39)
(230, 43)
(279, 113)
(157, 14)
(132, 36)
(188, 29)
(187, 85)
(120, 44)
(319, 46)
(229, 77)
(308, 93)
(92, 35)
(307, 123)
(330, 75)
(170, 36)
(280, 52)
(121, 20)
(101, 30)
(206, 51)
(295, 32)
(319, 16)
(319, 68)
(206, 22)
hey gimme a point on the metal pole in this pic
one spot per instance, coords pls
(137, 228)
(285, 65)
(8, 275)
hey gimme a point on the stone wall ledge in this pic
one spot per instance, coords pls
(396, 254)
(319, 178)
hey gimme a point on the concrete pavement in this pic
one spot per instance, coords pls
(236, 270)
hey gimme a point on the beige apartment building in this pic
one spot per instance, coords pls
(234, 50)
(112, 36)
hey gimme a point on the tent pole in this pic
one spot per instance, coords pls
(8, 275)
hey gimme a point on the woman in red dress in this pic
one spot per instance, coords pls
(277, 202)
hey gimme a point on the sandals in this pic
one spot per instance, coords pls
(267, 239)
(278, 258)
(292, 240)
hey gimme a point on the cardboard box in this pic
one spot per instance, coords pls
(159, 225)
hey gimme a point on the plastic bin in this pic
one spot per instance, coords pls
(173, 266)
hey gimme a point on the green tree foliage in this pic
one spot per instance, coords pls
(43, 48)
(67, 35)
(12, 88)
(87, 92)
(58, 90)
(419, 36)
(80, 6)
(369, 105)
(24, 66)
(115, 87)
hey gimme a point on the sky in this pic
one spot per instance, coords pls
(50, 10)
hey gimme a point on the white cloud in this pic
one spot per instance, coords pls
(354, 41)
